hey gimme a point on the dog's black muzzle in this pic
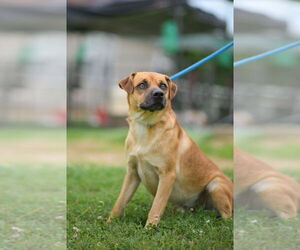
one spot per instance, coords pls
(155, 100)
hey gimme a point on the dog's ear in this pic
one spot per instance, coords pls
(172, 88)
(126, 83)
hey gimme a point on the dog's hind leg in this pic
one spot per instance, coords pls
(277, 196)
(220, 192)
(130, 184)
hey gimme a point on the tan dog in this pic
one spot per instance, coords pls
(162, 156)
(259, 186)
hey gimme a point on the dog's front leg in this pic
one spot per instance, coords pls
(165, 186)
(130, 184)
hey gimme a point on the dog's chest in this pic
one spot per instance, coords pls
(147, 147)
(148, 156)
(150, 178)
(148, 175)
(148, 164)
(148, 167)
(148, 152)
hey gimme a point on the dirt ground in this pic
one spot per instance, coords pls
(33, 152)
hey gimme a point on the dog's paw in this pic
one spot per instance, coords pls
(152, 220)
(110, 219)
(150, 226)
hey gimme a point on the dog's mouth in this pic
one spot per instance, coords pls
(153, 106)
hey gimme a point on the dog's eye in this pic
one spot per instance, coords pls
(163, 85)
(142, 85)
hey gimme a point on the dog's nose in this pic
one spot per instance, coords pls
(157, 93)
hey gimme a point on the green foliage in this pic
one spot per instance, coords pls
(170, 36)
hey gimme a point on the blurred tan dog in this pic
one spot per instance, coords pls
(259, 186)
(162, 156)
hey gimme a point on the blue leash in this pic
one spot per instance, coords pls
(268, 53)
(236, 64)
(197, 64)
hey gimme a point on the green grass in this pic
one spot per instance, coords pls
(29, 133)
(92, 190)
(33, 200)
(107, 139)
(111, 138)
(258, 230)
(207, 144)
(260, 145)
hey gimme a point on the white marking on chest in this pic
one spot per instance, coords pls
(140, 130)
(141, 137)
(148, 175)
(144, 145)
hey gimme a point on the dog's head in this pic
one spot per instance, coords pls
(148, 90)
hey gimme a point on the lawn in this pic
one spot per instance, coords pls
(32, 211)
(257, 230)
(95, 173)
(93, 188)
(33, 185)
(105, 146)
